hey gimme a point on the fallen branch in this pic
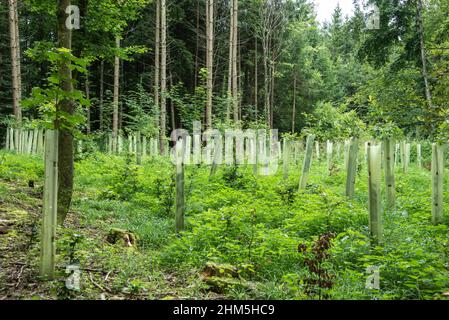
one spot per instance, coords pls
(97, 285)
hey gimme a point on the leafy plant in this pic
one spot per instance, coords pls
(46, 99)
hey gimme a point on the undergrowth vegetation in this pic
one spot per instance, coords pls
(279, 243)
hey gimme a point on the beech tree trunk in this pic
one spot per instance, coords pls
(230, 64)
(115, 103)
(423, 55)
(157, 56)
(172, 106)
(273, 72)
(235, 99)
(197, 46)
(266, 82)
(101, 94)
(294, 105)
(163, 76)
(209, 59)
(87, 89)
(65, 143)
(256, 81)
(15, 58)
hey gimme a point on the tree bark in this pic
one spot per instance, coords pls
(240, 78)
(423, 55)
(266, 82)
(256, 82)
(273, 71)
(115, 102)
(294, 105)
(163, 76)
(235, 101)
(15, 58)
(231, 51)
(209, 60)
(101, 94)
(65, 143)
(197, 46)
(87, 90)
(157, 56)
(172, 106)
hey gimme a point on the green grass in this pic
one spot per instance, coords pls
(252, 223)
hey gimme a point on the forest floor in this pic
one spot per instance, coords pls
(241, 239)
(20, 214)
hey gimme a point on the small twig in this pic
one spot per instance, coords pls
(97, 285)
(18, 263)
(107, 276)
(19, 275)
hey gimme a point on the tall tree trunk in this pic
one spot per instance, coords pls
(15, 58)
(209, 60)
(115, 102)
(122, 86)
(163, 75)
(240, 78)
(18, 52)
(231, 51)
(234, 63)
(66, 147)
(172, 106)
(1, 64)
(294, 104)
(197, 47)
(423, 55)
(273, 71)
(256, 81)
(157, 57)
(266, 80)
(87, 89)
(101, 94)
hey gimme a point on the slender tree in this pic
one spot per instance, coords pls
(294, 104)
(256, 80)
(115, 103)
(266, 35)
(422, 47)
(163, 111)
(66, 143)
(230, 60)
(197, 44)
(157, 54)
(172, 106)
(271, 23)
(101, 102)
(235, 101)
(209, 59)
(87, 92)
(15, 58)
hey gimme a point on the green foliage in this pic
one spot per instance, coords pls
(189, 106)
(113, 16)
(351, 82)
(253, 224)
(236, 179)
(20, 168)
(142, 115)
(331, 123)
(124, 186)
(46, 99)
